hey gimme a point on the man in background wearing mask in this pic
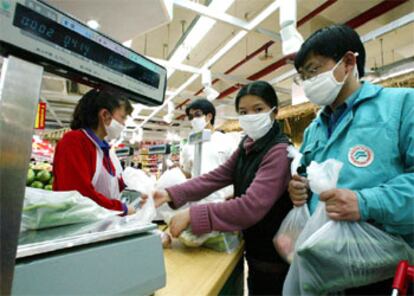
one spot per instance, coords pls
(367, 127)
(215, 152)
(83, 160)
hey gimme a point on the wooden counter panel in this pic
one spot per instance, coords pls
(197, 271)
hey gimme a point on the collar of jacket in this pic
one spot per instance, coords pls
(367, 92)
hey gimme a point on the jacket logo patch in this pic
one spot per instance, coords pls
(360, 156)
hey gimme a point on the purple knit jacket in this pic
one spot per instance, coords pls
(268, 186)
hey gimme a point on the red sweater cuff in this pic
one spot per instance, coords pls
(200, 221)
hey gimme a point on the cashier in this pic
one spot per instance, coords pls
(83, 159)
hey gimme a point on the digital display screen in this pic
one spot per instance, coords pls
(47, 29)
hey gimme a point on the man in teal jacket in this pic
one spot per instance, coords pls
(367, 127)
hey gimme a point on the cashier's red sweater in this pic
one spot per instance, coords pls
(74, 166)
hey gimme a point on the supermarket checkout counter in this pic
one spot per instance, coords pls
(102, 258)
(201, 271)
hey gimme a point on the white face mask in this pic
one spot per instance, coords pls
(323, 89)
(114, 129)
(198, 123)
(256, 125)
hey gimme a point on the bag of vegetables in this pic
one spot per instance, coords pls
(218, 241)
(285, 238)
(343, 255)
(289, 231)
(332, 256)
(45, 209)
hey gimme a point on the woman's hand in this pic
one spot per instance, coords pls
(180, 222)
(161, 197)
(298, 190)
(131, 210)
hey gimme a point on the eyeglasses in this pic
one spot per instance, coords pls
(307, 74)
(196, 114)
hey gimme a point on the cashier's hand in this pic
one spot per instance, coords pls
(341, 204)
(161, 197)
(144, 199)
(131, 210)
(180, 222)
(298, 190)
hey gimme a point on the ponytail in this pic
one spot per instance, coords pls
(88, 107)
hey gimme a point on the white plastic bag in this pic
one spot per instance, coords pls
(226, 242)
(296, 158)
(138, 180)
(342, 255)
(332, 256)
(289, 231)
(323, 176)
(44, 209)
(293, 224)
(169, 178)
(218, 241)
(191, 240)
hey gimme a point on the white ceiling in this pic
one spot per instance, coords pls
(160, 43)
(121, 19)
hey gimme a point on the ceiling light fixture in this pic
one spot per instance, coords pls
(211, 93)
(197, 33)
(127, 43)
(291, 38)
(93, 24)
(229, 45)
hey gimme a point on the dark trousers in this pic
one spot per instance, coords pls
(265, 278)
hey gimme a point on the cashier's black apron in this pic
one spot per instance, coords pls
(260, 253)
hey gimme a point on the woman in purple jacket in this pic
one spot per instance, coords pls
(259, 171)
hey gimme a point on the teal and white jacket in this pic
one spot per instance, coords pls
(374, 138)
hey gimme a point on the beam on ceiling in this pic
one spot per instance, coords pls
(355, 22)
(265, 46)
(229, 45)
(225, 18)
(402, 21)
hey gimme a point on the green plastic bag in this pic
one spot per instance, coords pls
(45, 209)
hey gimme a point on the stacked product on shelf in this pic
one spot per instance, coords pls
(40, 176)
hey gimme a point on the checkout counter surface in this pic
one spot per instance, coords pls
(200, 271)
(103, 258)
(63, 237)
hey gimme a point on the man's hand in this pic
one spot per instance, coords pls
(298, 190)
(180, 222)
(161, 197)
(341, 204)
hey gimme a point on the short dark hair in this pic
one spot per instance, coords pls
(205, 106)
(261, 89)
(88, 107)
(333, 42)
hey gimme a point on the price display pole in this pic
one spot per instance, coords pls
(197, 139)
